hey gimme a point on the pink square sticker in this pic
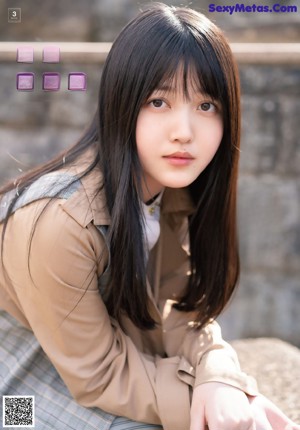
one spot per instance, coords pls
(77, 82)
(51, 54)
(51, 81)
(25, 81)
(25, 54)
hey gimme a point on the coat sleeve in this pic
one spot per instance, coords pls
(100, 365)
(207, 357)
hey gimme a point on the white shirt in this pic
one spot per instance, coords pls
(152, 227)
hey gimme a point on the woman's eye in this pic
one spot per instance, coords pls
(157, 103)
(208, 107)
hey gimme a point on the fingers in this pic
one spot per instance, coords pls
(233, 425)
(260, 419)
(275, 417)
(198, 419)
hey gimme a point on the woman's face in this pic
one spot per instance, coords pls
(176, 137)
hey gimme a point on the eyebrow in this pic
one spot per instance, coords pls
(167, 88)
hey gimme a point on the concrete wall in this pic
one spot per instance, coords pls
(268, 301)
(34, 126)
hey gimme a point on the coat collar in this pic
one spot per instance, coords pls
(85, 205)
(177, 200)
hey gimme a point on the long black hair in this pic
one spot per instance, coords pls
(146, 54)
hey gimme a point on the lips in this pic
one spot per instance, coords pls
(180, 155)
(179, 159)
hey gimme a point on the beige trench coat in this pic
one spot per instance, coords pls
(146, 376)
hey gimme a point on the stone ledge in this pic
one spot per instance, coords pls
(276, 366)
(96, 52)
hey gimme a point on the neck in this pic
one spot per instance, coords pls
(150, 194)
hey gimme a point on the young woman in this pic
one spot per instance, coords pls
(118, 255)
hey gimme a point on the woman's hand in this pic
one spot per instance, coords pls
(268, 416)
(218, 406)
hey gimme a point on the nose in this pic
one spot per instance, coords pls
(181, 130)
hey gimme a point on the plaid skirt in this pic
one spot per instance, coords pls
(25, 370)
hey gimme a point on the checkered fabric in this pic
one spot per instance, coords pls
(26, 371)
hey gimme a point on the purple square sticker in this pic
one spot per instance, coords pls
(25, 81)
(25, 54)
(77, 82)
(51, 81)
(51, 54)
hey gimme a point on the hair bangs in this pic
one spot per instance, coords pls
(188, 64)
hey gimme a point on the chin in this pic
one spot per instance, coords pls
(178, 184)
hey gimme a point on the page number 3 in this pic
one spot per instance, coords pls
(14, 14)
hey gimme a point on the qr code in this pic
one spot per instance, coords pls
(18, 411)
